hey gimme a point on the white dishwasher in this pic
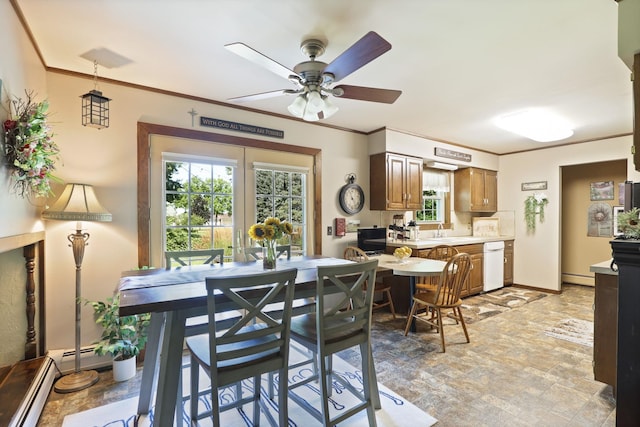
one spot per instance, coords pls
(493, 265)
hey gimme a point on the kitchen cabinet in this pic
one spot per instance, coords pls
(475, 190)
(508, 262)
(395, 182)
(605, 328)
(475, 282)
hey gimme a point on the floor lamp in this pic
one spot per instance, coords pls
(78, 203)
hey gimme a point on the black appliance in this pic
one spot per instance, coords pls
(372, 240)
(631, 195)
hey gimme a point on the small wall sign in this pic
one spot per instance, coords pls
(450, 154)
(240, 127)
(538, 185)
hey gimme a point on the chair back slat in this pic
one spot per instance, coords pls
(344, 282)
(254, 333)
(254, 253)
(452, 279)
(195, 257)
(354, 253)
(440, 253)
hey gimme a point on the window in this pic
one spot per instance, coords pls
(198, 205)
(435, 188)
(281, 194)
(432, 207)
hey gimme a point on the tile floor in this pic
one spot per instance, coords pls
(511, 374)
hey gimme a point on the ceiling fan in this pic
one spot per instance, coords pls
(314, 79)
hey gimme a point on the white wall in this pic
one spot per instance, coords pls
(537, 256)
(107, 159)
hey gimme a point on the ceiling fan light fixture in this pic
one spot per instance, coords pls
(314, 102)
(310, 116)
(298, 106)
(329, 108)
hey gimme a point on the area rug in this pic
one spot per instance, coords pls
(396, 411)
(481, 306)
(574, 330)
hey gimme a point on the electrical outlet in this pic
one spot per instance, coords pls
(329, 231)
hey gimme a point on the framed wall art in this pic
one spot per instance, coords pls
(616, 211)
(602, 190)
(530, 186)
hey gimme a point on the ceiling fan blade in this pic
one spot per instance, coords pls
(358, 55)
(263, 95)
(256, 57)
(372, 94)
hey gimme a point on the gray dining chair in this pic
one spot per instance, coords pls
(247, 347)
(340, 322)
(194, 257)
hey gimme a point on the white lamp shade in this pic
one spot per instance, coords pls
(297, 106)
(314, 102)
(329, 108)
(77, 202)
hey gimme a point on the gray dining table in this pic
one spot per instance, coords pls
(172, 297)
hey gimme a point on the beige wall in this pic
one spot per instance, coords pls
(20, 70)
(537, 256)
(579, 250)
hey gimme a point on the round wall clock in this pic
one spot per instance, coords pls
(351, 197)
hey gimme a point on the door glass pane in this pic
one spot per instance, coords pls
(198, 206)
(281, 194)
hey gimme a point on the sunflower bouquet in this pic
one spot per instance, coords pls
(268, 234)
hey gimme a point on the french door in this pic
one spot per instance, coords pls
(207, 195)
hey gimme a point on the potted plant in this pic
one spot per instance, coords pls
(123, 337)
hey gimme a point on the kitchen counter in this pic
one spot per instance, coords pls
(603, 267)
(452, 241)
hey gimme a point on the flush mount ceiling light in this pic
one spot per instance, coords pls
(95, 107)
(536, 124)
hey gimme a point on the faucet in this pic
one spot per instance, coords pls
(440, 230)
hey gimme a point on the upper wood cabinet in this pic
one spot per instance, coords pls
(395, 182)
(475, 190)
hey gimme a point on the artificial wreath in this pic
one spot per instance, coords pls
(29, 147)
(534, 205)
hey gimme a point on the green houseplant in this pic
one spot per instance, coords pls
(534, 205)
(122, 336)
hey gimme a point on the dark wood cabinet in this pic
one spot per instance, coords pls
(508, 262)
(395, 182)
(475, 190)
(605, 328)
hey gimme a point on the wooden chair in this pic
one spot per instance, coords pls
(249, 346)
(254, 253)
(195, 257)
(332, 329)
(445, 297)
(356, 254)
(442, 253)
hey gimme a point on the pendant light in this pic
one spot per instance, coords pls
(95, 107)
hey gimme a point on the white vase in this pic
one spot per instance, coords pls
(124, 369)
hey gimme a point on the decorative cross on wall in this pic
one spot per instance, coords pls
(193, 116)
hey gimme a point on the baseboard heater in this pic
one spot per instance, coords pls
(66, 359)
(25, 387)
